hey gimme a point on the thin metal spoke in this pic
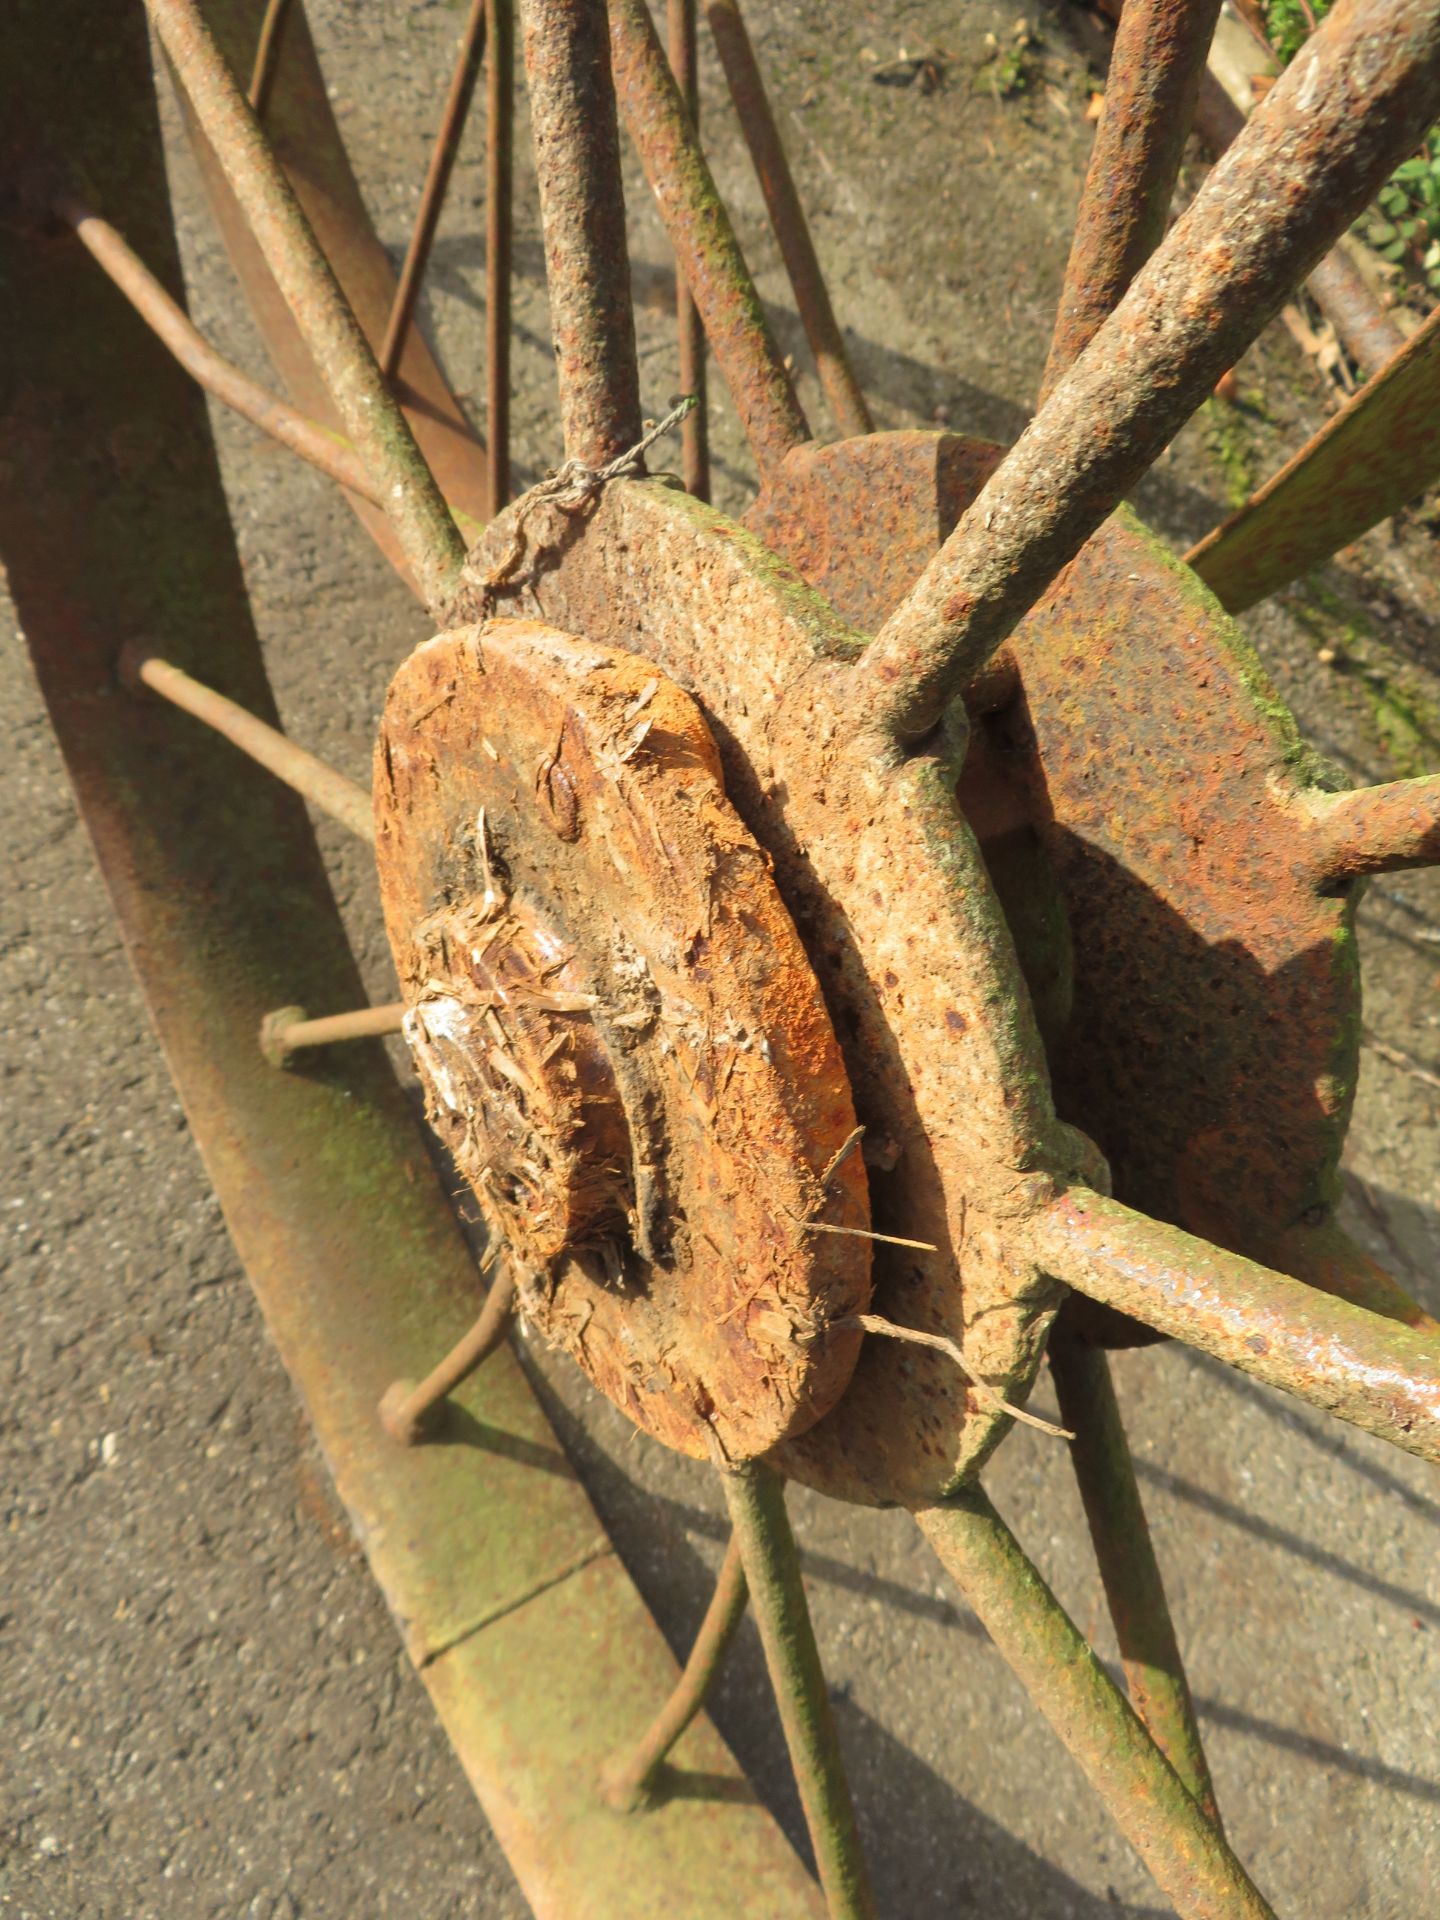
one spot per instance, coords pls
(267, 55)
(1375, 1373)
(787, 216)
(406, 1409)
(432, 194)
(290, 1030)
(499, 241)
(582, 204)
(634, 1779)
(690, 329)
(1181, 1846)
(1377, 829)
(1366, 330)
(756, 1497)
(1381, 450)
(703, 239)
(1221, 273)
(331, 792)
(428, 536)
(212, 370)
(1134, 1589)
(1150, 90)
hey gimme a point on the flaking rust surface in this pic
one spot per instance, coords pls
(901, 924)
(620, 1037)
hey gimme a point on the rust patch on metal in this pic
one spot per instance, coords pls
(621, 1041)
(900, 922)
(1147, 812)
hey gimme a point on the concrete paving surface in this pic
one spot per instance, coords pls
(206, 1711)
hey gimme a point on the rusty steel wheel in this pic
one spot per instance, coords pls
(850, 952)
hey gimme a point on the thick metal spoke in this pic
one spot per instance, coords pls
(432, 194)
(634, 1778)
(690, 329)
(1146, 1798)
(212, 370)
(331, 792)
(1373, 1372)
(1220, 275)
(756, 1497)
(1150, 90)
(787, 216)
(290, 1030)
(428, 536)
(406, 1408)
(499, 237)
(703, 239)
(1134, 1590)
(582, 204)
(1377, 829)
(267, 54)
(1379, 452)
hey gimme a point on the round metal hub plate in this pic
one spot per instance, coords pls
(621, 1041)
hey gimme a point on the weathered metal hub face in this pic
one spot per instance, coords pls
(620, 1038)
(902, 926)
(519, 1081)
(1139, 793)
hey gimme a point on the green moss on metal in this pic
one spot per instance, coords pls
(1293, 751)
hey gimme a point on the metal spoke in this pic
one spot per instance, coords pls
(1377, 829)
(290, 1030)
(703, 239)
(582, 204)
(305, 136)
(1209, 289)
(428, 536)
(432, 194)
(331, 792)
(406, 1408)
(1150, 90)
(1375, 1373)
(1379, 452)
(1134, 1589)
(1146, 1798)
(267, 54)
(1365, 329)
(1334, 284)
(756, 1497)
(634, 1778)
(499, 237)
(212, 370)
(787, 216)
(690, 329)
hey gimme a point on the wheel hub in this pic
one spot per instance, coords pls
(620, 1039)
